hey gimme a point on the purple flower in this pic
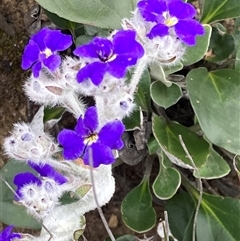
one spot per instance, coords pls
(48, 171)
(42, 50)
(77, 143)
(26, 178)
(171, 15)
(7, 235)
(23, 179)
(109, 56)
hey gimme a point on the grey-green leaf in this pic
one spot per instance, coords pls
(214, 167)
(167, 134)
(165, 96)
(196, 53)
(99, 13)
(215, 99)
(168, 180)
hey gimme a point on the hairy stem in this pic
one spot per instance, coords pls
(138, 71)
(96, 199)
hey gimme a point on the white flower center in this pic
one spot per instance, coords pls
(48, 52)
(91, 139)
(169, 21)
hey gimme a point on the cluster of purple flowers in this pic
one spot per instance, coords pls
(91, 138)
(113, 55)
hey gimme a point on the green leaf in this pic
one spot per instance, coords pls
(137, 211)
(83, 39)
(142, 97)
(237, 62)
(99, 13)
(208, 162)
(126, 237)
(157, 72)
(212, 219)
(165, 96)
(218, 218)
(172, 69)
(196, 53)
(11, 213)
(221, 46)
(53, 113)
(78, 233)
(181, 211)
(168, 180)
(152, 145)
(216, 10)
(215, 99)
(167, 134)
(135, 121)
(214, 167)
(60, 22)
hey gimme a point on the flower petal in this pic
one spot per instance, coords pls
(95, 71)
(158, 30)
(72, 143)
(110, 134)
(186, 30)
(87, 125)
(30, 55)
(22, 179)
(130, 46)
(80, 128)
(151, 8)
(118, 67)
(36, 69)
(181, 10)
(48, 171)
(101, 154)
(39, 38)
(103, 47)
(7, 235)
(87, 50)
(52, 62)
(57, 41)
(91, 119)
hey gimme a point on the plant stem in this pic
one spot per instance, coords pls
(191, 189)
(141, 66)
(96, 200)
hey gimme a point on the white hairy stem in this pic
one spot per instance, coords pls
(138, 71)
